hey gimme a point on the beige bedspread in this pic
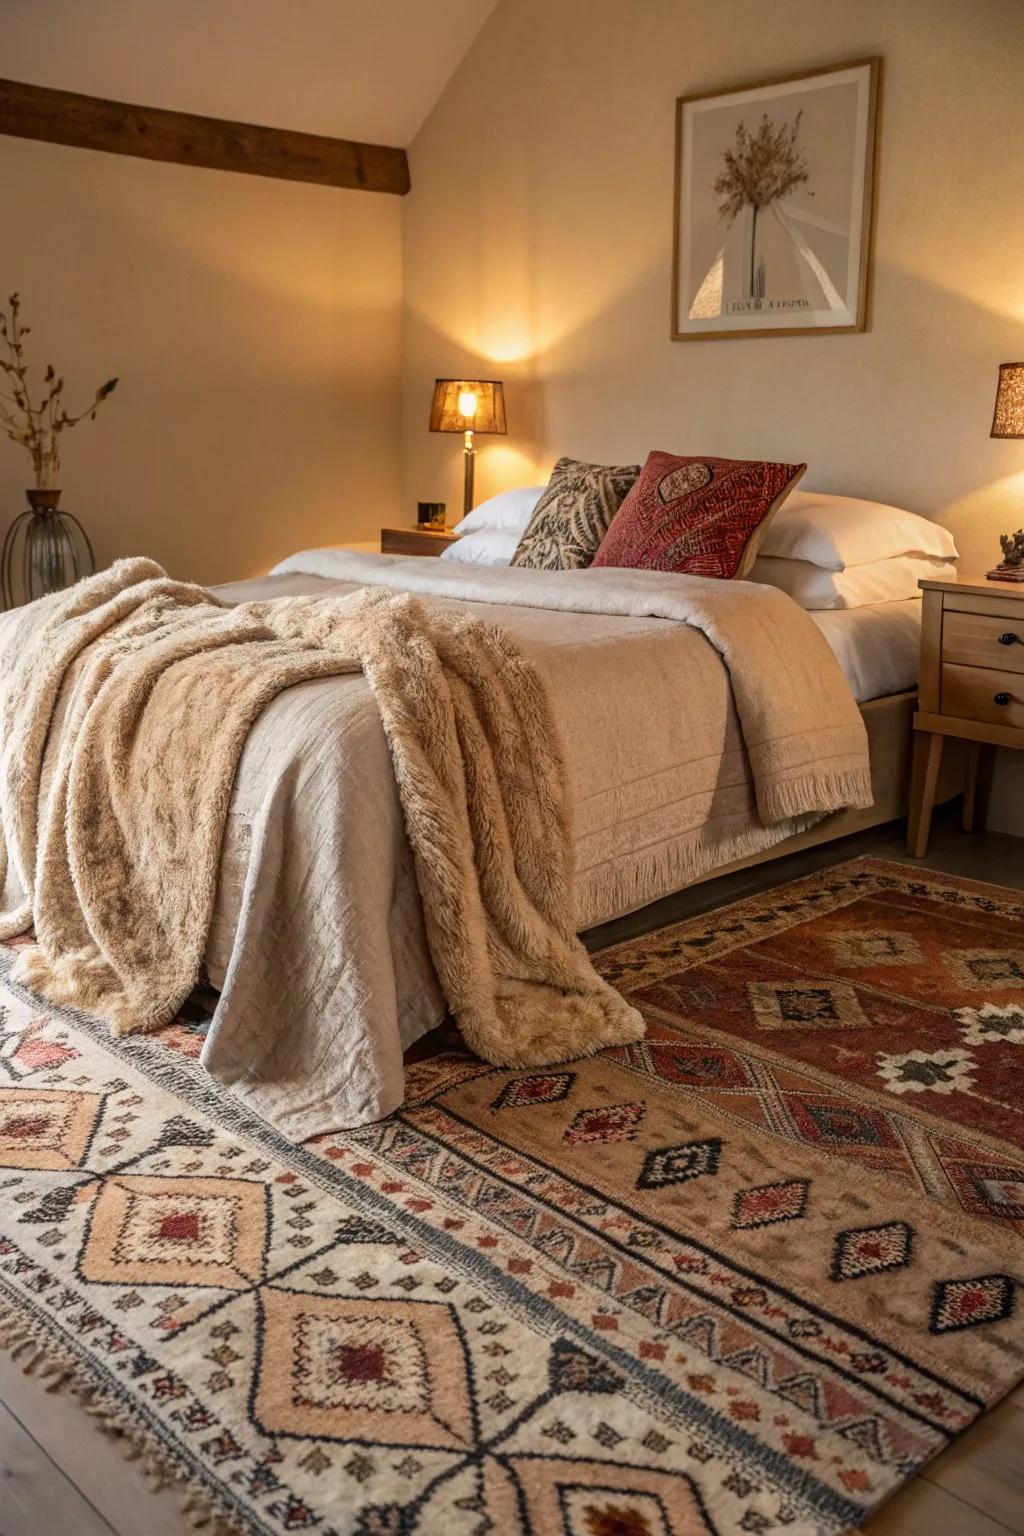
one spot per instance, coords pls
(317, 942)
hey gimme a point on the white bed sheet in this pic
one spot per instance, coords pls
(878, 646)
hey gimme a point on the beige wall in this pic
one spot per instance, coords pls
(538, 249)
(354, 69)
(255, 326)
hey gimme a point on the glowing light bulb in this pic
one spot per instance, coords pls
(467, 402)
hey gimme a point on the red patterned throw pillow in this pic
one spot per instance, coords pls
(703, 517)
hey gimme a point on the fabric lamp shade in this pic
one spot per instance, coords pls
(1008, 420)
(468, 405)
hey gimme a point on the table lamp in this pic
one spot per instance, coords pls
(1008, 421)
(468, 406)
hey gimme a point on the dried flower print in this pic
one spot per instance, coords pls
(760, 169)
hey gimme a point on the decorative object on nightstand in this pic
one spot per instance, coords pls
(46, 549)
(431, 514)
(468, 406)
(1008, 421)
(415, 541)
(971, 687)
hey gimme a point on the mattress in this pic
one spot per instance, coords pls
(878, 647)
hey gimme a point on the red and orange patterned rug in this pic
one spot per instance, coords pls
(745, 1277)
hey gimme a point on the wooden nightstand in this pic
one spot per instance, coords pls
(971, 686)
(415, 541)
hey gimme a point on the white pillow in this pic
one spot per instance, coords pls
(838, 531)
(510, 509)
(876, 581)
(488, 546)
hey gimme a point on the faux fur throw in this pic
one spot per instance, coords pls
(150, 686)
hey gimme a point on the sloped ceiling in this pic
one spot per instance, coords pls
(355, 69)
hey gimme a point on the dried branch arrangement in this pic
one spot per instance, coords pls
(35, 427)
(761, 168)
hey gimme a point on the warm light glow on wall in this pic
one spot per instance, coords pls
(504, 338)
(503, 465)
(978, 517)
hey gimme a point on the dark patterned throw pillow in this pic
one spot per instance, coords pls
(573, 515)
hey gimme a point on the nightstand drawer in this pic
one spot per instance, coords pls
(978, 640)
(981, 693)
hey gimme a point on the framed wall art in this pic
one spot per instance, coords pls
(773, 205)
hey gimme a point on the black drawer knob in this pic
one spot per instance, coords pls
(1003, 698)
(1009, 638)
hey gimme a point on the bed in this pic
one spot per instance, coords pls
(663, 800)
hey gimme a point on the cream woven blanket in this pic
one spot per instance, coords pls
(151, 686)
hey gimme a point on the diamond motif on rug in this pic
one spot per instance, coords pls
(1001, 1189)
(338, 1369)
(872, 1250)
(177, 1228)
(28, 1051)
(769, 1203)
(983, 1186)
(372, 1362)
(578, 1497)
(960, 1304)
(541, 1088)
(927, 1071)
(698, 1066)
(991, 1025)
(155, 1231)
(612, 1512)
(835, 1123)
(875, 946)
(676, 1165)
(46, 1128)
(804, 1004)
(987, 967)
(600, 1123)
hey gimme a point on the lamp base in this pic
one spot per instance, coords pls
(470, 456)
(1005, 573)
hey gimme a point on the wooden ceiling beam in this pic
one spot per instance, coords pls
(118, 127)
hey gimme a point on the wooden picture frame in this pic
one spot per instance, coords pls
(806, 144)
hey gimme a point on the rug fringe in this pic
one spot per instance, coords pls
(203, 1510)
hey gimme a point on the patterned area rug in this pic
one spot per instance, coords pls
(744, 1277)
